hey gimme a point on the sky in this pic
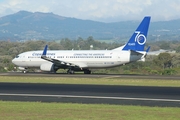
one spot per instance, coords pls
(98, 10)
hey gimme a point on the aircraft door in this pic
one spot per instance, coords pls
(119, 58)
(23, 58)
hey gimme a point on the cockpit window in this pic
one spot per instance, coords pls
(17, 56)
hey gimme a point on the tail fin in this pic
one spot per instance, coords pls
(138, 39)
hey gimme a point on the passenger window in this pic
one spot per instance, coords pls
(17, 56)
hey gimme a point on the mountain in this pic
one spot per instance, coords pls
(25, 25)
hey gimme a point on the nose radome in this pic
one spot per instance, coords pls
(14, 61)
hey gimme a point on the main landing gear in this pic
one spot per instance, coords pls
(87, 72)
(71, 71)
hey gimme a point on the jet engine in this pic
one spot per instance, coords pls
(21, 68)
(48, 67)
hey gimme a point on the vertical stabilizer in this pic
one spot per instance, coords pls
(139, 37)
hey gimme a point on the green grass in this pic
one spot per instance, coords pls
(97, 81)
(69, 111)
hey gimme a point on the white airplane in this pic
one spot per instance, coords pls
(85, 60)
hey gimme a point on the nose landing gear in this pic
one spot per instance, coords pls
(71, 71)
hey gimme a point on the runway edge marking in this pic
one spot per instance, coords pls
(91, 97)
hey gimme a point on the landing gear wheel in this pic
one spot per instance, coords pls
(70, 71)
(87, 72)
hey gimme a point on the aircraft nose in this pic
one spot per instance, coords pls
(14, 61)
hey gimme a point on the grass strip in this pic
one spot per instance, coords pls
(71, 111)
(96, 81)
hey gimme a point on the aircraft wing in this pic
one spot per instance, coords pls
(55, 61)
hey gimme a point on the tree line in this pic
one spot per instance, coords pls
(163, 64)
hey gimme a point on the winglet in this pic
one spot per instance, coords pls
(148, 49)
(45, 50)
(43, 56)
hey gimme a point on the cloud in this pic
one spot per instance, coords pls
(102, 10)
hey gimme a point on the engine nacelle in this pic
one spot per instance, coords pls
(21, 68)
(48, 67)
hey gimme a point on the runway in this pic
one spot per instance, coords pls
(98, 94)
(131, 76)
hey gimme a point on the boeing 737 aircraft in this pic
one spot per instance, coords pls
(85, 60)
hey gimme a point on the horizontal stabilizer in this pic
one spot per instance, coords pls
(136, 53)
